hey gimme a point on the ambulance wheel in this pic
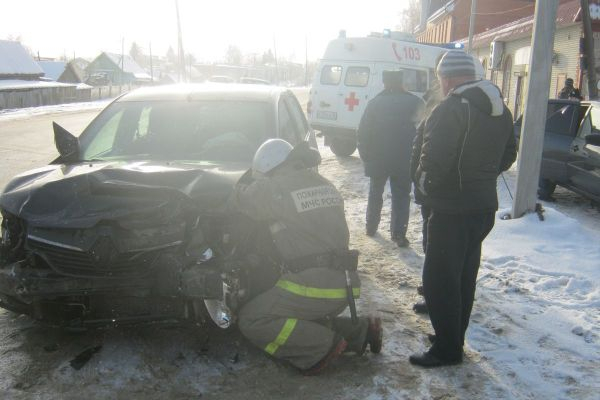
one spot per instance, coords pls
(342, 147)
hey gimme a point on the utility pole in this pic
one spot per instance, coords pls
(534, 118)
(305, 61)
(151, 68)
(181, 69)
(589, 50)
(122, 61)
(471, 25)
(276, 62)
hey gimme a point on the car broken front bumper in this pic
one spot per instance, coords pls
(59, 300)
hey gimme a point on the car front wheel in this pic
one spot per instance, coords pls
(342, 147)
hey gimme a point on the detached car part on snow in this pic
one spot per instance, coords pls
(122, 230)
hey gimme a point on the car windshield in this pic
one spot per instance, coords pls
(177, 130)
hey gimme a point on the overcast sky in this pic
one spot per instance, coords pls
(85, 28)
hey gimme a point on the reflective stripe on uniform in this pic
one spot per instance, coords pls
(315, 293)
(283, 336)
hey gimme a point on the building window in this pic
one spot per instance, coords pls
(506, 77)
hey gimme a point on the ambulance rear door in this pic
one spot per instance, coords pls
(325, 94)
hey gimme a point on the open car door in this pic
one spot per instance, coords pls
(584, 170)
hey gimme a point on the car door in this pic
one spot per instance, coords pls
(292, 124)
(584, 169)
(562, 123)
(299, 120)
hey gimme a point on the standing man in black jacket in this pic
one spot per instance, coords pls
(467, 142)
(385, 137)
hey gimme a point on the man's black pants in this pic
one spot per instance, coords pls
(400, 189)
(450, 274)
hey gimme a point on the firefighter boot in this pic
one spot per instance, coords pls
(338, 348)
(374, 336)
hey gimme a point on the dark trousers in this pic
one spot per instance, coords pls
(449, 276)
(400, 189)
(425, 211)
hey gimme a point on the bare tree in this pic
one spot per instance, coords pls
(171, 57)
(136, 53)
(268, 57)
(233, 56)
(410, 16)
(14, 38)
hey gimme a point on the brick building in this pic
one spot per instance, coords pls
(448, 21)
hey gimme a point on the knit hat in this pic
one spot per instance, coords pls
(456, 63)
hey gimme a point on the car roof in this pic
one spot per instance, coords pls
(205, 91)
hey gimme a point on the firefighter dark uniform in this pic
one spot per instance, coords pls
(296, 319)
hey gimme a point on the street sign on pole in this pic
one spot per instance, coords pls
(534, 118)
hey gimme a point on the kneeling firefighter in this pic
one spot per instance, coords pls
(296, 319)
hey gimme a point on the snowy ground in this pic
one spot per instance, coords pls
(535, 329)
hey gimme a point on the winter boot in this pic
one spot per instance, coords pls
(420, 308)
(337, 349)
(374, 336)
(401, 241)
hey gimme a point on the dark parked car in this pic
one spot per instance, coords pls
(130, 223)
(571, 156)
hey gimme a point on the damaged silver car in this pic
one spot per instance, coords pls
(129, 224)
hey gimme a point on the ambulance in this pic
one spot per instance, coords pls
(349, 75)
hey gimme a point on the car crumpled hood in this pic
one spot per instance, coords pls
(79, 196)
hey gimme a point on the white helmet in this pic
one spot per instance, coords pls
(270, 154)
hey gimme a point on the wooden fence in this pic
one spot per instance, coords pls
(42, 96)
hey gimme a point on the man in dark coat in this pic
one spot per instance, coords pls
(569, 91)
(385, 136)
(467, 142)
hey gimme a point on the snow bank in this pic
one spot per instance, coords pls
(537, 315)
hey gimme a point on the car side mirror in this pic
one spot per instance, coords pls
(593, 139)
(66, 143)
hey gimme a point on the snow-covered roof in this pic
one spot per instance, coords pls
(129, 65)
(14, 60)
(53, 69)
(12, 84)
